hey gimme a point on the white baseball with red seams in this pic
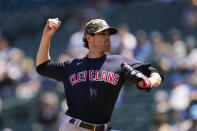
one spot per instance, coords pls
(53, 22)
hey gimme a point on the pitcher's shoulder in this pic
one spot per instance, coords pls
(119, 58)
(115, 56)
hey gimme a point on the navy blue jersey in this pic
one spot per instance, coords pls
(92, 85)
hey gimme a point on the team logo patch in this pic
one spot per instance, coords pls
(78, 63)
(104, 23)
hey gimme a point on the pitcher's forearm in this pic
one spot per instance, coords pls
(43, 51)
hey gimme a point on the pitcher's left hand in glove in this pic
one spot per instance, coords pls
(142, 82)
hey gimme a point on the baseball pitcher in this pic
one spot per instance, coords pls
(92, 84)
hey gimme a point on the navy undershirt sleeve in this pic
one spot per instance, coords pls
(54, 70)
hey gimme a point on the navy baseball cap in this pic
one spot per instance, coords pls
(98, 25)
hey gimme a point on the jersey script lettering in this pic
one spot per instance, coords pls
(105, 76)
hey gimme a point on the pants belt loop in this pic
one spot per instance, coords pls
(77, 122)
(106, 125)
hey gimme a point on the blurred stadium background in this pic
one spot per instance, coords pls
(161, 32)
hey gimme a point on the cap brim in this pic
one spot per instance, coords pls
(111, 30)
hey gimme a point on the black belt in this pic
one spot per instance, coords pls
(89, 126)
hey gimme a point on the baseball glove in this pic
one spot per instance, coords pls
(135, 77)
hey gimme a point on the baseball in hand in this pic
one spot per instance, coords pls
(53, 22)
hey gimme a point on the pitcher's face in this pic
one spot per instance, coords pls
(102, 41)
